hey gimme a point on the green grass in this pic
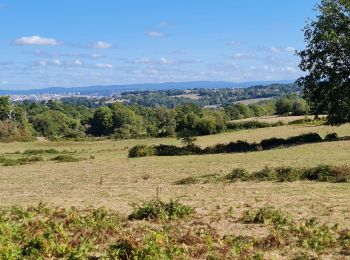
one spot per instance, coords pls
(42, 232)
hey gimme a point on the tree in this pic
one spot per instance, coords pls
(326, 60)
(101, 123)
(5, 108)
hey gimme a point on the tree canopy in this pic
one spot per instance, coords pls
(326, 60)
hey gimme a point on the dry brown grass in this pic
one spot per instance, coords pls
(275, 119)
(123, 180)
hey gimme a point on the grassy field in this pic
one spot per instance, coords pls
(106, 177)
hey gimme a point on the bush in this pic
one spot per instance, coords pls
(312, 235)
(327, 173)
(42, 151)
(65, 158)
(272, 142)
(304, 138)
(156, 209)
(284, 174)
(266, 215)
(237, 174)
(141, 150)
(266, 174)
(247, 125)
(171, 150)
(331, 137)
(187, 181)
(20, 161)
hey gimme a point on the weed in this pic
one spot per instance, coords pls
(37, 152)
(156, 209)
(266, 215)
(20, 161)
(187, 181)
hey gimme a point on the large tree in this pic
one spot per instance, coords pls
(326, 61)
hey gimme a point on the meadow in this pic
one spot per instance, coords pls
(101, 175)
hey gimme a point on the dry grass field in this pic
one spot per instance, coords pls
(107, 177)
(274, 119)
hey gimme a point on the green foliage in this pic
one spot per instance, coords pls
(101, 122)
(267, 216)
(326, 60)
(41, 151)
(251, 125)
(156, 209)
(237, 174)
(5, 108)
(291, 105)
(141, 150)
(266, 174)
(20, 161)
(315, 236)
(287, 174)
(327, 173)
(190, 148)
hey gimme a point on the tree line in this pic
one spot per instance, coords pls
(57, 119)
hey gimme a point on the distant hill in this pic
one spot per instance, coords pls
(114, 89)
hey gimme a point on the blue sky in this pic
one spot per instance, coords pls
(89, 42)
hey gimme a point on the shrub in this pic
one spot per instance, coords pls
(331, 137)
(304, 138)
(248, 125)
(36, 152)
(20, 161)
(284, 174)
(141, 150)
(272, 142)
(327, 173)
(266, 174)
(266, 215)
(156, 209)
(171, 150)
(65, 158)
(122, 249)
(187, 181)
(237, 174)
(312, 235)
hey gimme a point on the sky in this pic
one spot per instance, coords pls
(66, 43)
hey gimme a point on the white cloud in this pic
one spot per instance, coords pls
(53, 62)
(165, 61)
(77, 63)
(155, 34)
(275, 49)
(289, 69)
(290, 49)
(96, 56)
(233, 43)
(241, 55)
(102, 45)
(143, 61)
(180, 52)
(36, 40)
(4, 82)
(104, 66)
(56, 62)
(163, 24)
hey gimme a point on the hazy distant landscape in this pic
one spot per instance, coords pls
(181, 130)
